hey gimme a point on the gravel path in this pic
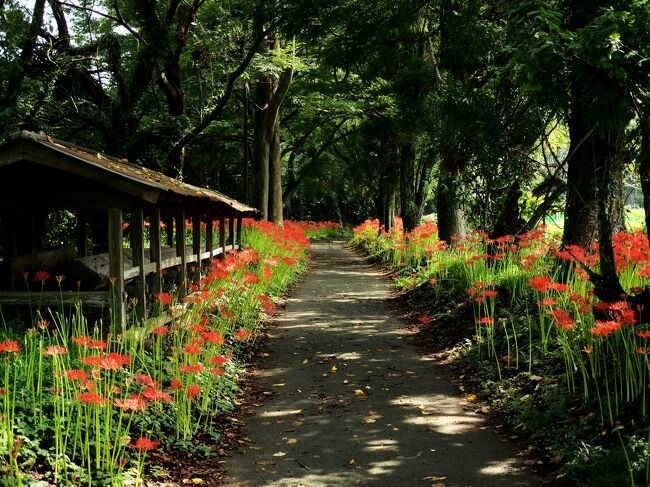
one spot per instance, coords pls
(353, 402)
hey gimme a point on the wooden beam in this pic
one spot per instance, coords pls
(222, 235)
(155, 251)
(94, 299)
(239, 232)
(99, 172)
(116, 266)
(209, 234)
(137, 246)
(180, 250)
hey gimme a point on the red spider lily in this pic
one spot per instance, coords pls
(145, 444)
(558, 286)
(217, 371)
(562, 319)
(175, 384)
(112, 361)
(9, 346)
(425, 320)
(433, 281)
(241, 334)
(267, 272)
(485, 321)
(471, 291)
(42, 324)
(250, 278)
(268, 307)
(588, 349)
(547, 302)
(198, 328)
(132, 403)
(76, 374)
(163, 298)
(153, 394)
(59, 278)
(604, 328)
(41, 276)
(643, 334)
(479, 284)
(145, 380)
(540, 283)
(193, 390)
(213, 337)
(161, 330)
(92, 398)
(219, 360)
(479, 300)
(55, 350)
(191, 350)
(190, 368)
(489, 294)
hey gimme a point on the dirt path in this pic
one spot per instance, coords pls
(354, 403)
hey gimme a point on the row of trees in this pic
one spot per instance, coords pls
(494, 114)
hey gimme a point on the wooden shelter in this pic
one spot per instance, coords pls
(40, 175)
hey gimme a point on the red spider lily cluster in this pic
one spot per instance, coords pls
(532, 272)
(98, 383)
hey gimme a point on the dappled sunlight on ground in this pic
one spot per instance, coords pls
(352, 402)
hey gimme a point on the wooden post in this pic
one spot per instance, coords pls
(196, 236)
(169, 231)
(82, 233)
(222, 235)
(209, 235)
(116, 266)
(180, 250)
(239, 231)
(137, 248)
(155, 250)
(231, 231)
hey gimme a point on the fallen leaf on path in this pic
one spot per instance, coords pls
(297, 422)
(280, 454)
(434, 477)
(265, 462)
(280, 384)
(292, 441)
(333, 369)
(351, 462)
(470, 397)
(305, 362)
(195, 480)
(295, 411)
(358, 392)
(346, 381)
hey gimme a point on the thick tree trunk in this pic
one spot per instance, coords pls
(409, 207)
(262, 138)
(644, 164)
(585, 153)
(509, 221)
(451, 218)
(275, 177)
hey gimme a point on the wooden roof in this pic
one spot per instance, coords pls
(137, 181)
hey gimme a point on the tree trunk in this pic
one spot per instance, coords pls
(275, 177)
(451, 218)
(262, 138)
(409, 207)
(644, 165)
(509, 221)
(585, 153)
